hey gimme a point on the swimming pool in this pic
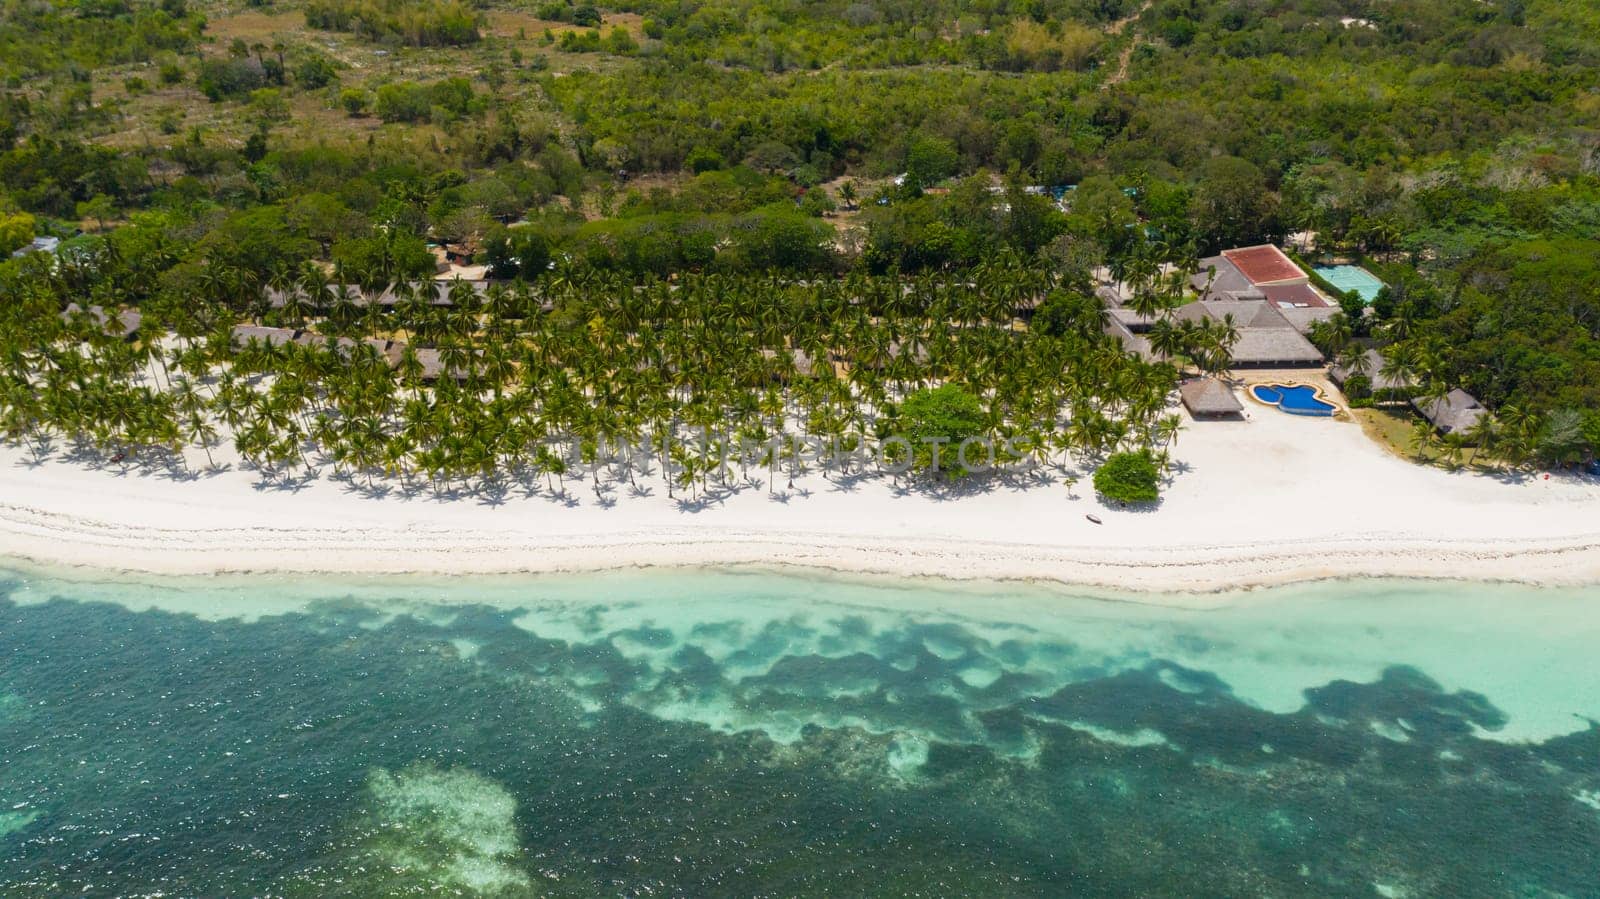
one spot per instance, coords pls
(1351, 277)
(1295, 400)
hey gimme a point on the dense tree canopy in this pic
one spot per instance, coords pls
(1450, 144)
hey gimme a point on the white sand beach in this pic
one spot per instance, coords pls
(1269, 500)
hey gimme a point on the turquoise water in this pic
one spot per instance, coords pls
(716, 733)
(1298, 400)
(1352, 277)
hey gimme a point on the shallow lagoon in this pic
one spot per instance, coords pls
(700, 733)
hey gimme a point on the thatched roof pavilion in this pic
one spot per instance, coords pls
(1378, 374)
(128, 320)
(1456, 413)
(804, 365)
(1209, 398)
(247, 334)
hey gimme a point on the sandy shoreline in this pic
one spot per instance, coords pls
(48, 539)
(1272, 500)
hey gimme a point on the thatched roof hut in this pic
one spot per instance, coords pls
(1136, 344)
(128, 320)
(432, 364)
(1209, 398)
(804, 365)
(1456, 413)
(1377, 373)
(247, 334)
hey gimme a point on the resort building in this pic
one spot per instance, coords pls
(1267, 338)
(1264, 274)
(1457, 413)
(1209, 398)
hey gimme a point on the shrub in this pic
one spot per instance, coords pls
(581, 41)
(231, 77)
(1129, 478)
(353, 100)
(269, 103)
(620, 42)
(1030, 45)
(937, 420)
(704, 159)
(16, 229)
(314, 72)
(407, 101)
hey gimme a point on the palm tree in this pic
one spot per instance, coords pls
(1482, 435)
(847, 193)
(1422, 438)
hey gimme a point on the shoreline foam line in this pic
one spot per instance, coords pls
(52, 540)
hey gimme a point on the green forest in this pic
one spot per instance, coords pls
(690, 190)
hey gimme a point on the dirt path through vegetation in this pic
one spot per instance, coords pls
(1126, 56)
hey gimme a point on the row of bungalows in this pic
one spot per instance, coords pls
(393, 352)
(440, 293)
(807, 366)
(435, 293)
(1457, 412)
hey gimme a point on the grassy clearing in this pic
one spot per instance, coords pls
(1390, 427)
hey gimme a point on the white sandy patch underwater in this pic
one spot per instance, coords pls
(454, 827)
(1529, 651)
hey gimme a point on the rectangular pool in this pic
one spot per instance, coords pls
(1351, 277)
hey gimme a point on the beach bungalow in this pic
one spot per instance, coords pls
(128, 320)
(1379, 378)
(804, 365)
(1209, 398)
(1456, 413)
(432, 361)
(1137, 344)
(244, 335)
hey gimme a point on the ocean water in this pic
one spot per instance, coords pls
(743, 733)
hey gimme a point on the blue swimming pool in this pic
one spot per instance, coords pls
(1296, 400)
(1351, 277)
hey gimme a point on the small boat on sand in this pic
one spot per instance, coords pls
(1093, 518)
